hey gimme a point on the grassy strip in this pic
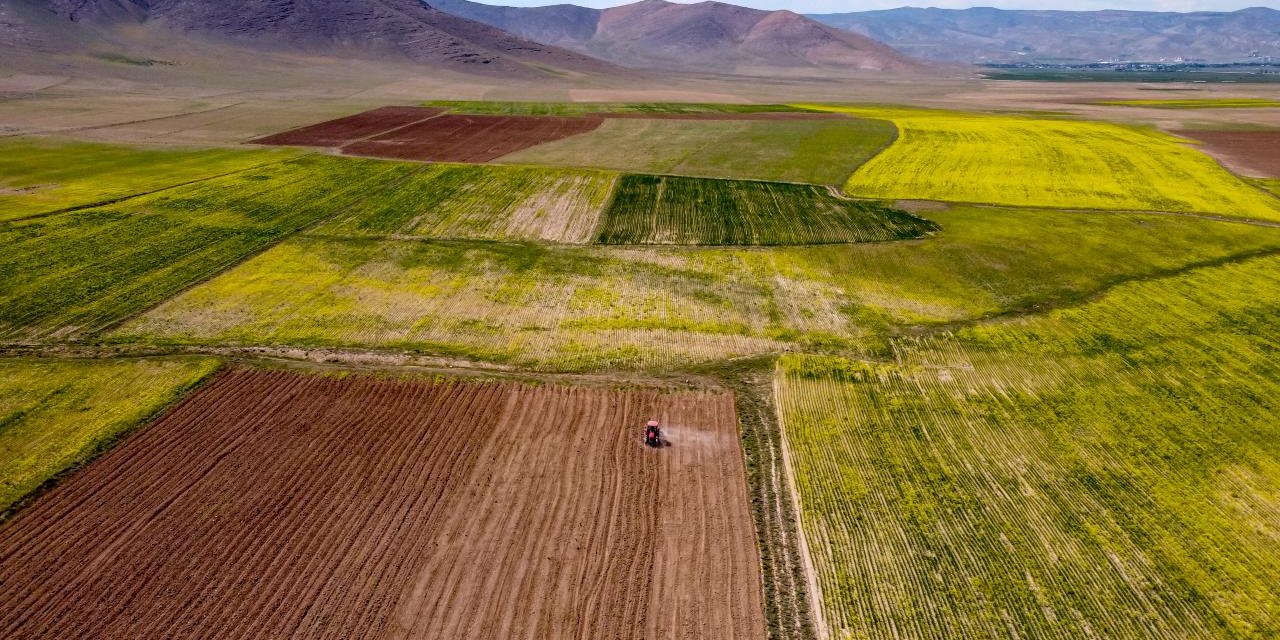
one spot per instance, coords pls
(1027, 161)
(1082, 473)
(75, 273)
(787, 612)
(698, 211)
(58, 415)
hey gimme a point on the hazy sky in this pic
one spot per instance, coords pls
(835, 6)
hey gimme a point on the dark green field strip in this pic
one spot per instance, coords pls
(698, 211)
(72, 274)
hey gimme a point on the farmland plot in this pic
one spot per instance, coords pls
(274, 504)
(815, 152)
(534, 306)
(484, 202)
(56, 413)
(465, 138)
(1024, 161)
(39, 176)
(338, 132)
(677, 210)
(657, 109)
(75, 273)
(564, 307)
(1086, 473)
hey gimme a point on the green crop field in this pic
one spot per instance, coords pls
(74, 273)
(39, 176)
(587, 308)
(1196, 103)
(1106, 470)
(810, 151)
(1026, 161)
(54, 414)
(699, 211)
(584, 108)
(485, 202)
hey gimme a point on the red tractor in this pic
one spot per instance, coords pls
(652, 434)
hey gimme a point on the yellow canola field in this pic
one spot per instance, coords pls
(1039, 162)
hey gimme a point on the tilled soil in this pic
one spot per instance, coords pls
(470, 138)
(277, 504)
(335, 133)
(1255, 153)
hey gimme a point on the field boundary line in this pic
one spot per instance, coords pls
(816, 613)
(1257, 222)
(140, 194)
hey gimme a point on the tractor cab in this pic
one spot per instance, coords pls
(652, 434)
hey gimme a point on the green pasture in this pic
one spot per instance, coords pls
(38, 176)
(1028, 161)
(1109, 469)
(651, 209)
(55, 414)
(809, 151)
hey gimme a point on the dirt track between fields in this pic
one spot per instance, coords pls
(276, 504)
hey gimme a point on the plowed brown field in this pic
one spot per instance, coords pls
(469, 138)
(279, 505)
(1255, 153)
(335, 133)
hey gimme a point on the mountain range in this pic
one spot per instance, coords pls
(997, 35)
(705, 36)
(406, 29)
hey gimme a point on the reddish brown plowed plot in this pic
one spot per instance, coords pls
(711, 115)
(1255, 153)
(468, 138)
(335, 133)
(278, 505)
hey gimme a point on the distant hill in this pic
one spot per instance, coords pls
(375, 28)
(706, 36)
(997, 35)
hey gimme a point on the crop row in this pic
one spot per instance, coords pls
(75, 273)
(697, 211)
(1086, 473)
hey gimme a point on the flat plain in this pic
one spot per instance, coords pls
(276, 504)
